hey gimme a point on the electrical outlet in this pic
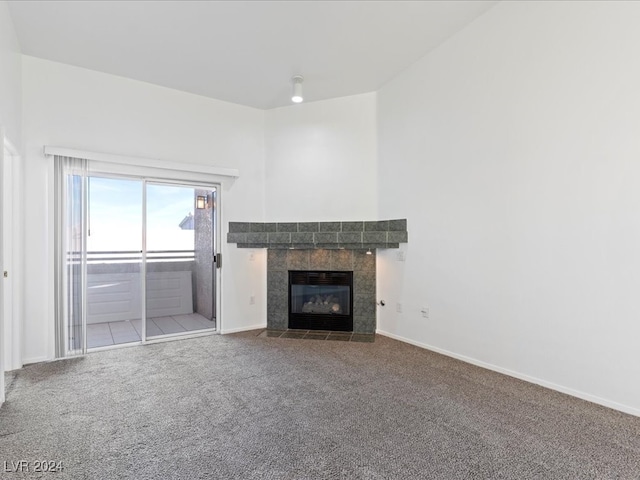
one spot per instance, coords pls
(399, 307)
(400, 256)
(252, 300)
(425, 312)
(252, 257)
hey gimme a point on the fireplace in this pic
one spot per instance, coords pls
(321, 300)
(360, 265)
(321, 246)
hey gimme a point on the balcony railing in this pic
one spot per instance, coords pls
(134, 256)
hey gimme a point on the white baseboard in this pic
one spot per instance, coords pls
(244, 329)
(543, 383)
(27, 361)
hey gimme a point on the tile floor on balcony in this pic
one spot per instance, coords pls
(115, 333)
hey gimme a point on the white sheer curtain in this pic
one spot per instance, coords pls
(71, 176)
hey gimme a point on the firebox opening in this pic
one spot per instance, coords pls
(321, 300)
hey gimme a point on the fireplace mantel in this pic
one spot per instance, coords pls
(357, 235)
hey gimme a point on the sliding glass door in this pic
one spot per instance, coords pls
(136, 260)
(179, 275)
(114, 264)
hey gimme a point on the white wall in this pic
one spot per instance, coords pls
(10, 78)
(320, 165)
(513, 150)
(76, 108)
(321, 160)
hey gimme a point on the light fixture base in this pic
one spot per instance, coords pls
(297, 80)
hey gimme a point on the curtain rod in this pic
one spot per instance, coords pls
(141, 162)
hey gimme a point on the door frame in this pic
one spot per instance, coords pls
(210, 173)
(10, 259)
(196, 185)
(154, 179)
(3, 154)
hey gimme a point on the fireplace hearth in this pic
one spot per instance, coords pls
(321, 300)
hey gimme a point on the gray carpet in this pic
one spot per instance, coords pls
(244, 407)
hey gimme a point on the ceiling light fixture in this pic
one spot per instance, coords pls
(297, 89)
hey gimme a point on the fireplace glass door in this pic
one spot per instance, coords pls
(327, 299)
(320, 300)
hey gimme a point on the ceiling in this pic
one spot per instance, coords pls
(240, 51)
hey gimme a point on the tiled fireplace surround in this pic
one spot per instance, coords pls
(279, 262)
(332, 246)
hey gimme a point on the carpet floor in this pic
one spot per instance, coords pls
(247, 407)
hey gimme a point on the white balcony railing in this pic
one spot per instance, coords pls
(133, 256)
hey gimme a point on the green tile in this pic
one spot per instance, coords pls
(308, 227)
(374, 237)
(330, 226)
(257, 237)
(340, 338)
(287, 227)
(293, 335)
(302, 237)
(324, 238)
(350, 237)
(398, 225)
(352, 226)
(379, 226)
(234, 237)
(279, 238)
(397, 237)
(363, 338)
(315, 336)
(239, 227)
(274, 333)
